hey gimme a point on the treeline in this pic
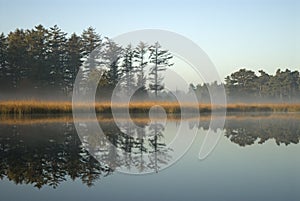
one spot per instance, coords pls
(246, 86)
(40, 60)
(43, 62)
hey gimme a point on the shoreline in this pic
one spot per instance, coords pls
(31, 119)
(51, 107)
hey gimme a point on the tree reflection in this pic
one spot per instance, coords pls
(51, 153)
(248, 130)
(134, 148)
(283, 130)
(46, 155)
(159, 150)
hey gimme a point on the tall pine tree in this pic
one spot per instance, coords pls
(74, 61)
(56, 57)
(37, 56)
(4, 71)
(161, 61)
(17, 58)
(112, 56)
(127, 69)
(91, 51)
(141, 62)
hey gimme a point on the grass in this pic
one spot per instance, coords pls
(19, 108)
(263, 107)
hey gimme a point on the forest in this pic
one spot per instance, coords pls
(41, 62)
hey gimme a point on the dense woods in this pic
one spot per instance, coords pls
(41, 60)
(246, 86)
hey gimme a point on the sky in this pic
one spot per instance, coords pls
(253, 34)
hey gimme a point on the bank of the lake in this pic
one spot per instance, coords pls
(51, 107)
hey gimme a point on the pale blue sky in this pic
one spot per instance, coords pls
(256, 34)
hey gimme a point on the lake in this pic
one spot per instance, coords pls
(256, 158)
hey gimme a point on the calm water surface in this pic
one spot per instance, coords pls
(257, 158)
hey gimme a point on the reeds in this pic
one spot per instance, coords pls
(263, 107)
(50, 107)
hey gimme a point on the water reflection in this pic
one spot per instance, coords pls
(248, 130)
(125, 146)
(282, 130)
(50, 152)
(45, 154)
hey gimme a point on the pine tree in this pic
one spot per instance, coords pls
(91, 47)
(56, 57)
(112, 56)
(294, 85)
(91, 51)
(4, 71)
(263, 84)
(139, 57)
(90, 40)
(242, 83)
(17, 57)
(37, 55)
(127, 69)
(161, 60)
(74, 56)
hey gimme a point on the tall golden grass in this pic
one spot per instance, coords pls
(263, 107)
(52, 107)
